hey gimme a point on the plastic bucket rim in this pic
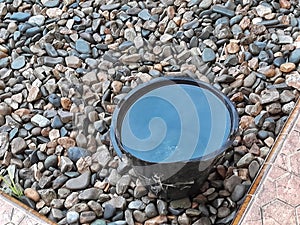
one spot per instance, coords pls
(114, 133)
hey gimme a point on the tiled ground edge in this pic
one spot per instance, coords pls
(264, 169)
(26, 209)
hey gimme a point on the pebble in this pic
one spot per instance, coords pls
(274, 108)
(87, 217)
(5, 109)
(295, 56)
(18, 63)
(40, 121)
(72, 217)
(50, 3)
(20, 16)
(73, 62)
(288, 108)
(82, 46)
(34, 94)
(151, 211)
(32, 194)
(181, 203)
(287, 67)
(37, 20)
(268, 96)
(204, 4)
(238, 192)
(208, 55)
(253, 169)
(231, 182)
(80, 182)
(250, 80)
(223, 10)
(223, 212)
(109, 211)
(74, 153)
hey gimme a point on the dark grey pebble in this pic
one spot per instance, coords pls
(125, 45)
(191, 25)
(51, 51)
(59, 181)
(278, 61)
(295, 56)
(109, 211)
(238, 192)
(33, 31)
(231, 60)
(253, 169)
(80, 182)
(263, 56)
(236, 19)
(262, 134)
(254, 49)
(56, 122)
(74, 153)
(223, 10)
(51, 161)
(52, 61)
(54, 99)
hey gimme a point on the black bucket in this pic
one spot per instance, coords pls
(173, 130)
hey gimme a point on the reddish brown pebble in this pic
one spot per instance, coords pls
(32, 194)
(66, 142)
(285, 4)
(287, 67)
(65, 103)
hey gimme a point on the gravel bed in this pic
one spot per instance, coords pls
(65, 64)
